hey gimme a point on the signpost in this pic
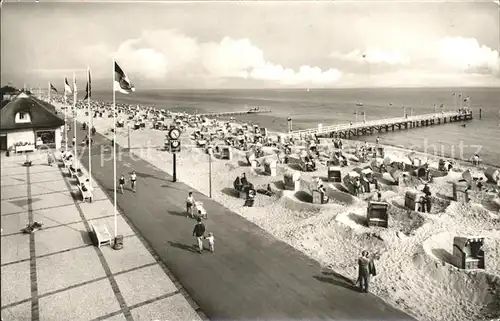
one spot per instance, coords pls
(175, 147)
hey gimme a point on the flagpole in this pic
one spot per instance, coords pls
(65, 118)
(89, 134)
(74, 120)
(114, 144)
(49, 92)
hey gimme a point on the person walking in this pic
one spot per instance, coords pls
(49, 158)
(133, 180)
(199, 232)
(189, 205)
(211, 241)
(366, 268)
(121, 182)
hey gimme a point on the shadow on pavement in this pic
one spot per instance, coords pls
(184, 247)
(177, 213)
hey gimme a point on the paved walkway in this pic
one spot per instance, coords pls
(252, 276)
(57, 274)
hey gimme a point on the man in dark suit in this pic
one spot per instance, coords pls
(366, 268)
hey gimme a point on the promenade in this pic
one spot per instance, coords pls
(251, 276)
(57, 274)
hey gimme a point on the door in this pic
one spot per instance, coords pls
(3, 142)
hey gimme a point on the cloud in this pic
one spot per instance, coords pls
(373, 56)
(466, 54)
(58, 72)
(161, 53)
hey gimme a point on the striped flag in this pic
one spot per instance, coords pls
(53, 88)
(88, 89)
(122, 83)
(67, 88)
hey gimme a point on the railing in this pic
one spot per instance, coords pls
(242, 112)
(384, 122)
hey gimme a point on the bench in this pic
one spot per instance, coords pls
(86, 195)
(71, 172)
(101, 234)
(81, 179)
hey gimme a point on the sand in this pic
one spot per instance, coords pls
(411, 259)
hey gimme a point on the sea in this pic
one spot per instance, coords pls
(309, 107)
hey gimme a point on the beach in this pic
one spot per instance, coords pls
(413, 274)
(307, 109)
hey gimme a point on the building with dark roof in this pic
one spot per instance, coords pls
(26, 123)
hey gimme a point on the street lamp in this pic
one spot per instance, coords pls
(210, 151)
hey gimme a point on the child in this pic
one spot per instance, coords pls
(121, 182)
(189, 205)
(211, 241)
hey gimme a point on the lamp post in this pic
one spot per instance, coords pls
(210, 152)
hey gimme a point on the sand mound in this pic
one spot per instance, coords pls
(299, 201)
(473, 212)
(476, 292)
(404, 220)
(386, 196)
(488, 200)
(336, 245)
(439, 205)
(339, 197)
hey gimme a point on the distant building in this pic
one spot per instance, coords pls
(27, 123)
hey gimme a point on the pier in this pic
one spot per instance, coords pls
(377, 126)
(234, 113)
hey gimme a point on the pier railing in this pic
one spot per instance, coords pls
(371, 123)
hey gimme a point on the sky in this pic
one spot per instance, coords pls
(253, 44)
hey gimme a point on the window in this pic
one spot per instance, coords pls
(23, 117)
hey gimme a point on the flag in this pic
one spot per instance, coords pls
(122, 83)
(453, 94)
(88, 89)
(442, 105)
(53, 88)
(67, 88)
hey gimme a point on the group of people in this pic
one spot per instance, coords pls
(199, 229)
(133, 181)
